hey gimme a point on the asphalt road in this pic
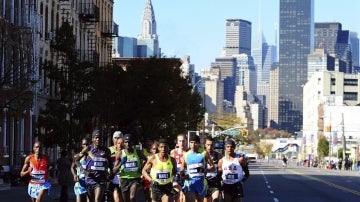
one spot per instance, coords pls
(271, 182)
(268, 182)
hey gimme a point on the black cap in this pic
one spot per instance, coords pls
(128, 137)
(95, 133)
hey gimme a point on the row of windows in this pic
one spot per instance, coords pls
(347, 82)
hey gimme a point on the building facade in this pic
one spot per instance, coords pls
(335, 41)
(328, 88)
(238, 37)
(319, 61)
(354, 41)
(293, 59)
(37, 21)
(148, 40)
(214, 92)
(227, 67)
(245, 74)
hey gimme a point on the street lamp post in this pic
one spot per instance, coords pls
(343, 139)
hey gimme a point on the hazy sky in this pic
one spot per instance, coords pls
(197, 27)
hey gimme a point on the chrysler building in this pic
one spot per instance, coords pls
(147, 42)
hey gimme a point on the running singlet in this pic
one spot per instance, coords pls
(195, 161)
(162, 171)
(131, 169)
(211, 176)
(97, 163)
(113, 152)
(39, 173)
(232, 171)
(178, 157)
(80, 170)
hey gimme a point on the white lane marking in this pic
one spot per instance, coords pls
(271, 192)
(276, 200)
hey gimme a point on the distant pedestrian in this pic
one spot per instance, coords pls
(64, 175)
(36, 166)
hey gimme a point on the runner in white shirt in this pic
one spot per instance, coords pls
(234, 173)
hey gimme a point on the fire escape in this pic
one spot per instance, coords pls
(109, 31)
(89, 16)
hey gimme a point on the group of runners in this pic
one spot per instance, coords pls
(193, 173)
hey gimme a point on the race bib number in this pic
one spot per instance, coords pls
(98, 164)
(163, 176)
(231, 176)
(131, 165)
(38, 176)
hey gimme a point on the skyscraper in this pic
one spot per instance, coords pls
(238, 37)
(335, 41)
(264, 56)
(227, 67)
(296, 42)
(354, 41)
(148, 42)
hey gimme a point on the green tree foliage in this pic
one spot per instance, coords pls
(65, 117)
(271, 133)
(150, 99)
(323, 147)
(226, 120)
(263, 149)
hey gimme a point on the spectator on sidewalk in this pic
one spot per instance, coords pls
(64, 175)
(36, 166)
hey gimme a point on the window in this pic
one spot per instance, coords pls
(350, 96)
(350, 82)
(333, 81)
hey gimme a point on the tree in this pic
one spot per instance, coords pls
(17, 69)
(226, 120)
(323, 147)
(150, 99)
(263, 149)
(64, 118)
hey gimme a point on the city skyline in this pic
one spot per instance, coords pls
(181, 26)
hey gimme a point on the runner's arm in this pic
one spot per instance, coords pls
(148, 166)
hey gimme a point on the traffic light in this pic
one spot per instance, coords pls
(244, 132)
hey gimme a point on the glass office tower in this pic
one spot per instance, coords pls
(296, 42)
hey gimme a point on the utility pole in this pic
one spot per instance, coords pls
(343, 139)
(330, 139)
